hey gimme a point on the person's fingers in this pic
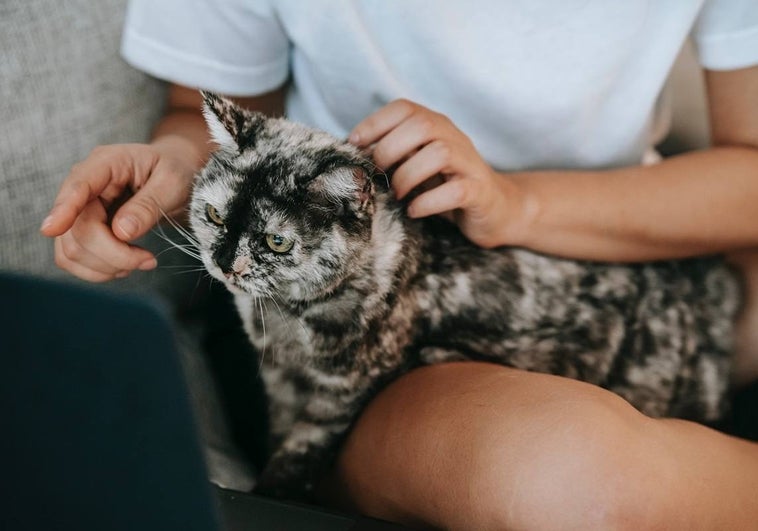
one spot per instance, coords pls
(381, 122)
(407, 138)
(81, 271)
(91, 244)
(454, 194)
(71, 199)
(167, 191)
(431, 160)
(105, 173)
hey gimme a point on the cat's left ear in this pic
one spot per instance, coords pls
(231, 126)
(350, 187)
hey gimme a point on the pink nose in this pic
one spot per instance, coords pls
(241, 265)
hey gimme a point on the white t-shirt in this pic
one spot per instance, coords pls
(534, 83)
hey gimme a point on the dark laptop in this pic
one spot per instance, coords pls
(96, 431)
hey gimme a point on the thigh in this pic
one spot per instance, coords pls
(451, 445)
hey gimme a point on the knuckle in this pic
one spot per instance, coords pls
(77, 167)
(425, 124)
(379, 155)
(443, 119)
(99, 151)
(462, 192)
(402, 103)
(60, 259)
(72, 250)
(146, 208)
(443, 151)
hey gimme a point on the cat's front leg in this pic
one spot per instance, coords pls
(295, 468)
(310, 447)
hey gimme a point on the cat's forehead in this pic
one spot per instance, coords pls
(279, 164)
(294, 147)
(214, 191)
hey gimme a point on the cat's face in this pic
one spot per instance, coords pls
(280, 210)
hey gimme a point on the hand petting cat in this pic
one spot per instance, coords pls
(114, 196)
(423, 145)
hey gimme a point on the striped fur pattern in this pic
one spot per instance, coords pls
(365, 294)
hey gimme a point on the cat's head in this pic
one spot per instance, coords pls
(280, 209)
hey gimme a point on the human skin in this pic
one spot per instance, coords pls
(479, 446)
(440, 445)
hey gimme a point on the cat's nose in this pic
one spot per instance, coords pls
(241, 265)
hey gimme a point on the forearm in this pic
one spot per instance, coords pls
(696, 203)
(183, 133)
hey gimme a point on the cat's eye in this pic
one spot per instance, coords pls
(213, 215)
(278, 243)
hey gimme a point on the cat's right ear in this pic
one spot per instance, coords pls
(231, 127)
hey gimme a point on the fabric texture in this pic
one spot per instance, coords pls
(551, 84)
(63, 91)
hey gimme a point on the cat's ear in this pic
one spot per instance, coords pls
(231, 126)
(349, 187)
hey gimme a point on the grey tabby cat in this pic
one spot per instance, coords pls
(340, 293)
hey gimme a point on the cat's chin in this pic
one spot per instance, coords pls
(236, 290)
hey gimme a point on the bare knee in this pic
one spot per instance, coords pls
(581, 461)
(480, 447)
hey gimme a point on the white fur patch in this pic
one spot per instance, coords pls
(219, 133)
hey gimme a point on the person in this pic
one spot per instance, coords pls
(541, 117)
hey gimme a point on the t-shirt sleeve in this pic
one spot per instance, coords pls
(234, 47)
(726, 34)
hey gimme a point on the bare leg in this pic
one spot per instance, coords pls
(479, 446)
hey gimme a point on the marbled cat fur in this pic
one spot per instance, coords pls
(366, 294)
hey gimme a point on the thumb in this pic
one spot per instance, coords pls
(145, 208)
(135, 217)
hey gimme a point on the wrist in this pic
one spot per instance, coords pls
(519, 209)
(179, 148)
(183, 136)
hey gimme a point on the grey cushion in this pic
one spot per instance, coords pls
(63, 90)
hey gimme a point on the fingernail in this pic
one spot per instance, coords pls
(148, 264)
(129, 226)
(354, 138)
(46, 223)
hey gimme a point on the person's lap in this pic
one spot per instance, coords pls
(479, 446)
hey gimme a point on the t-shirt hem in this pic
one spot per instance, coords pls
(728, 52)
(162, 61)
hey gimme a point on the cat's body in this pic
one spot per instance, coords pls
(340, 293)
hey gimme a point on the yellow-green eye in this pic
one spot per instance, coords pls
(278, 243)
(213, 216)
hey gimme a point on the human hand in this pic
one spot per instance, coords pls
(425, 144)
(90, 243)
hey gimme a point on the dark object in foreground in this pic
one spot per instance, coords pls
(97, 432)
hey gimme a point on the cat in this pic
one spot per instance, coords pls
(340, 293)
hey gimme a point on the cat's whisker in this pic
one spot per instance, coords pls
(199, 270)
(189, 250)
(263, 326)
(181, 230)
